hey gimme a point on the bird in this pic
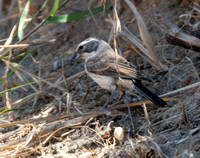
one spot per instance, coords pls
(110, 70)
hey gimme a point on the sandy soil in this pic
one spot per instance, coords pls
(74, 123)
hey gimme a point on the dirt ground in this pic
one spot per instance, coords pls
(63, 116)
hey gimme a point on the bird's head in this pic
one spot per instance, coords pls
(86, 48)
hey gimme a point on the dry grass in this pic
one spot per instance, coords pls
(63, 116)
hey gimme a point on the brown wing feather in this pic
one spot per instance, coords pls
(112, 67)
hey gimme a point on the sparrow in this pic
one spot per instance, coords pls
(110, 70)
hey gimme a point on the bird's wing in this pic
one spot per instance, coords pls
(111, 66)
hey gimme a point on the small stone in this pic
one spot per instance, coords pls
(119, 133)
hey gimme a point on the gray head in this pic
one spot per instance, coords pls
(86, 48)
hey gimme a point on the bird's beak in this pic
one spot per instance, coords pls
(75, 56)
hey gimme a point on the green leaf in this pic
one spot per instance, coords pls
(62, 5)
(43, 5)
(13, 70)
(22, 20)
(10, 109)
(55, 7)
(40, 10)
(14, 57)
(77, 16)
(14, 88)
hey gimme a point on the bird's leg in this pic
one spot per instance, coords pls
(110, 98)
(122, 94)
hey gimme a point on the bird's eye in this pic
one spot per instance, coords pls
(81, 47)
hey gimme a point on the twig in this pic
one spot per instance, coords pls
(129, 112)
(93, 113)
(144, 33)
(197, 84)
(78, 75)
(147, 119)
(184, 114)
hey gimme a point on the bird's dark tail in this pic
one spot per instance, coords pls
(148, 94)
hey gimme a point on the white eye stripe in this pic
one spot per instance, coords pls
(87, 41)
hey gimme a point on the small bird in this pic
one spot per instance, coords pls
(110, 70)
